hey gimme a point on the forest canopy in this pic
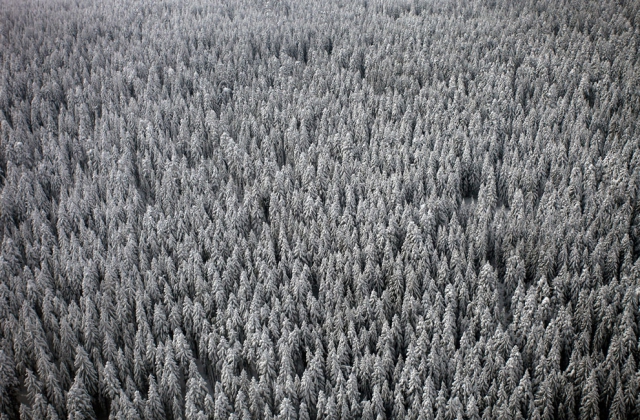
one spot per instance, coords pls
(306, 210)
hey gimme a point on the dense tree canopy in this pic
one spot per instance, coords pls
(317, 210)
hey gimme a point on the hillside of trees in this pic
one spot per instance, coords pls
(301, 210)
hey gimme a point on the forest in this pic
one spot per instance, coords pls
(319, 210)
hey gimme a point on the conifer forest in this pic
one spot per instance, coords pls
(319, 210)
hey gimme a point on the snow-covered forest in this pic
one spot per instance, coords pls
(251, 209)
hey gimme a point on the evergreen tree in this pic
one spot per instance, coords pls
(85, 370)
(79, 401)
